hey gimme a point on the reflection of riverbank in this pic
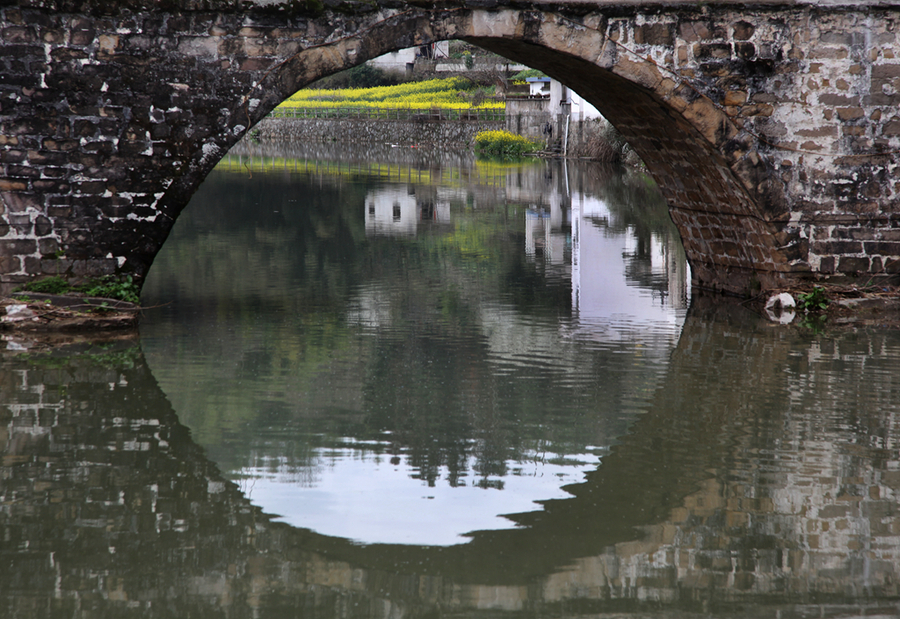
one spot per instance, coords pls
(571, 232)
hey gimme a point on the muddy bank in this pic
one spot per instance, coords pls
(45, 313)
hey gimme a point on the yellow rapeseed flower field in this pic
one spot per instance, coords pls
(452, 93)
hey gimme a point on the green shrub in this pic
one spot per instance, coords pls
(504, 144)
(526, 73)
(814, 301)
(110, 288)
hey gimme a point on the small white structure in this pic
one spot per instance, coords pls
(538, 86)
(403, 60)
(561, 97)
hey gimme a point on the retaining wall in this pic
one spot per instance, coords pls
(458, 133)
(442, 132)
(529, 118)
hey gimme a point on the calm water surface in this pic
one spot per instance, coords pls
(398, 384)
(395, 360)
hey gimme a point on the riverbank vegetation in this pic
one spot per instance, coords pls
(602, 142)
(504, 144)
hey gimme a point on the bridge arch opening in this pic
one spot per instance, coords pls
(718, 191)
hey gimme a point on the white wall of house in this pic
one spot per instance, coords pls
(538, 86)
(561, 95)
(562, 99)
(581, 109)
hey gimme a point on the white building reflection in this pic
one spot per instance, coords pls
(546, 237)
(397, 211)
(603, 284)
(571, 234)
(610, 266)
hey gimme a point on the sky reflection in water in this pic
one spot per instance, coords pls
(382, 502)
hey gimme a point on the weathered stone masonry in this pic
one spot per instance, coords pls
(457, 134)
(773, 131)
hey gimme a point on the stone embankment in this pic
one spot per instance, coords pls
(382, 131)
(578, 134)
(875, 304)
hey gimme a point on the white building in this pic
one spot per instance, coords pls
(560, 95)
(549, 103)
(403, 60)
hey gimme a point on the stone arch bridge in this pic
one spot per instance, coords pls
(772, 127)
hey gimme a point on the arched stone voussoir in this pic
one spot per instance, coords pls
(391, 34)
(737, 148)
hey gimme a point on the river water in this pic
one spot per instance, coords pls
(402, 383)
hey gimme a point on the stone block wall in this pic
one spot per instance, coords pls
(455, 133)
(527, 117)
